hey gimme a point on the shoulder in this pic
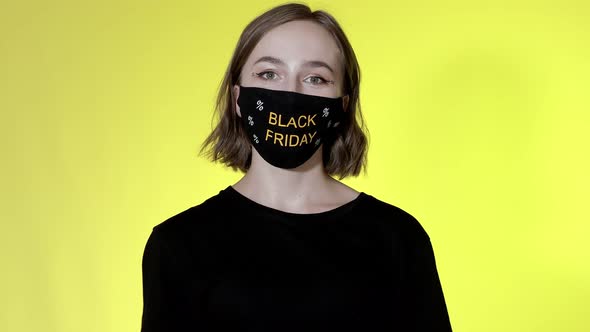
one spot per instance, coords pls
(391, 216)
(192, 219)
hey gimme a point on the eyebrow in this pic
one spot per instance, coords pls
(277, 61)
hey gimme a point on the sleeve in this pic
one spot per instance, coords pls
(424, 301)
(161, 284)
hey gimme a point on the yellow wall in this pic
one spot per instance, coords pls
(479, 121)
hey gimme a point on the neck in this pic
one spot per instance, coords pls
(285, 189)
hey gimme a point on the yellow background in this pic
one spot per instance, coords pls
(479, 126)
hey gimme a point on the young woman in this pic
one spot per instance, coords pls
(289, 247)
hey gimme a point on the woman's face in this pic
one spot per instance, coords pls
(299, 56)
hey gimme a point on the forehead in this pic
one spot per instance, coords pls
(298, 41)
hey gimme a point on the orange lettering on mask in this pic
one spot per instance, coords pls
(272, 118)
(310, 119)
(278, 136)
(293, 140)
(268, 134)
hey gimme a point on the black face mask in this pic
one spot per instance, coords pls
(285, 127)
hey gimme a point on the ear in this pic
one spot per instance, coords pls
(345, 103)
(236, 89)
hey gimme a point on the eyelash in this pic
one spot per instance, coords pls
(262, 75)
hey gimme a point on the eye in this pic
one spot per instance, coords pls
(267, 75)
(316, 80)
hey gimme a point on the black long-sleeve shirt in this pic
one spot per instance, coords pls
(231, 264)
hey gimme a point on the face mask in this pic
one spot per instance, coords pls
(285, 127)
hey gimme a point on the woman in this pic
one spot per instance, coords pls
(288, 247)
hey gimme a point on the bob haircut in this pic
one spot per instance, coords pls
(228, 143)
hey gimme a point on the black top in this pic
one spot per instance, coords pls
(231, 264)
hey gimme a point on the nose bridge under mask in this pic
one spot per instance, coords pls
(293, 84)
